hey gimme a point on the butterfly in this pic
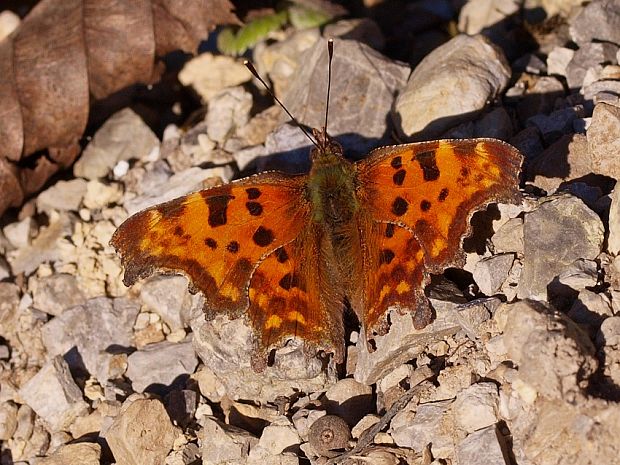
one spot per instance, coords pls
(291, 251)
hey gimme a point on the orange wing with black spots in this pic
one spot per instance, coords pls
(295, 292)
(433, 188)
(216, 237)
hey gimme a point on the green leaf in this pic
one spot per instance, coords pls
(231, 43)
(305, 18)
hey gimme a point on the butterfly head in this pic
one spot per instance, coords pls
(327, 149)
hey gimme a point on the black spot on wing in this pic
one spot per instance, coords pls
(263, 236)
(425, 205)
(289, 281)
(281, 255)
(400, 206)
(397, 163)
(254, 208)
(253, 193)
(386, 256)
(211, 243)
(399, 177)
(218, 205)
(427, 162)
(232, 247)
(443, 195)
(389, 230)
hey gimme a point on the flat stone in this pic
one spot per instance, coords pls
(92, 330)
(9, 21)
(556, 124)
(228, 110)
(349, 400)
(416, 426)
(55, 293)
(496, 124)
(490, 273)
(122, 137)
(561, 230)
(141, 434)
(53, 395)
(223, 443)
(598, 21)
(586, 57)
(528, 142)
(274, 440)
(613, 242)
(84, 453)
(558, 59)
(468, 67)
(160, 364)
(477, 16)
(476, 407)
(555, 357)
(590, 308)
(62, 196)
(8, 420)
(226, 348)
(361, 71)
(604, 138)
(208, 74)
(99, 195)
(509, 237)
(169, 297)
(485, 446)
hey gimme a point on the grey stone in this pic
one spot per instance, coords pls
(122, 137)
(579, 275)
(555, 357)
(403, 342)
(84, 453)
(485, 446)
(558, 59)
(160, 363)
(604, 90)
(416, 426)
(224, 444)
(349, 400)
(496, 124)
(609, 332)
(169, 297)
(604, 140)
(64, 195)
(361, 72)
(208, 74)
(9, 309)
(228, 110)
(92, 329)
(599, 21)
(558, 123)
(468, 67)
(490, 273)
(188, 454)
(561, 230)
(588, 56)
(45, 247)
(476, 407)
(590, 308)
(538, 97)
(509, 237)
(226, 348)
(175, 186)
(53, 395)
(476, 16)
(141, 434)
(8, 420)
(528, 142)
(613, 242)
(55, 293)
(274, 441)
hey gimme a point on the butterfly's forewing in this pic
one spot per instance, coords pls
(295, 292)
(216, 236)
(428, 192)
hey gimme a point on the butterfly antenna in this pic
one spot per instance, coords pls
(330, 52)
(252, 70)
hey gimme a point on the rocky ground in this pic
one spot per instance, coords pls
(522, 363)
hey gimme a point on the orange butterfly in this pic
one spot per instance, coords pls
(289, 250)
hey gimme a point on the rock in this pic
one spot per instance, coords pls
(558, 60)
(561, 230)
(606, 91)
(46, 247)
(8, 420)
(416, 426)
(92, 330)
(62, 196)
(579, 275)
(490, 273)
(99, 195)
(554, 356)
(179, 184)
(604, 139)
(470, 67)
(53, 395)
(225, 347)
(188, 454)
(599, 21)
(356, 75)
(84, 453)
(588, 56)
(9, 21)
(9, 309)
(224, 444)
(208, 74)
(558, 123)
(609, 332)
(478, 16)
(476, 407)
(403, 342)
(281, 59)
(181, 406)
(613, 242)
(496, 124)
(509, 237)
(55, 293)
(122, 137)
(538, 97)
(141, 434)
(590, 308)
(566, 159)
(485, 446)
(349, 400)
(363, 30)
(274, 441)
(168, 297)
(160, 364)
(528, 142)
(228, 110)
